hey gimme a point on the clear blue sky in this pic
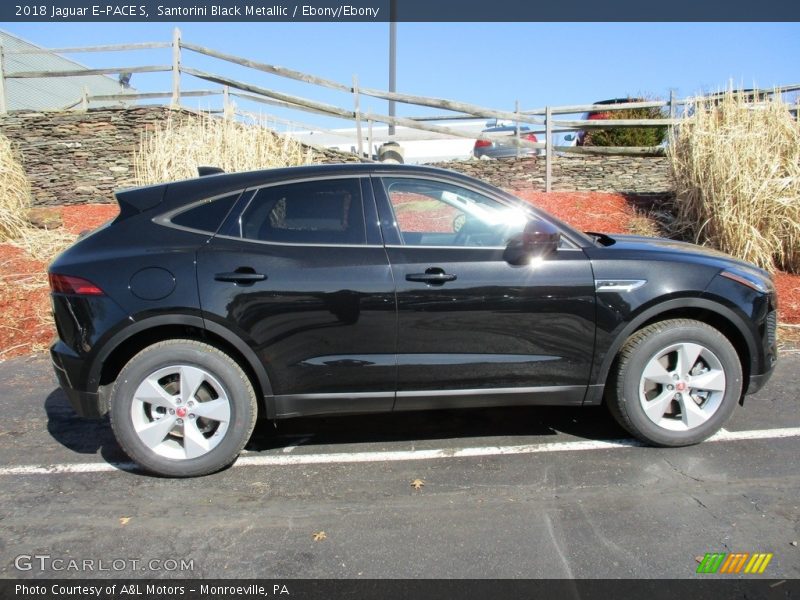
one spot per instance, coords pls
(491, 64)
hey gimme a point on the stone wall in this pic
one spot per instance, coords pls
(625, 174)
(78, 157)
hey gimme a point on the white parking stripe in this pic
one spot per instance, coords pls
(67, 468)
(282, 460)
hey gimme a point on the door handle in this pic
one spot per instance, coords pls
(244, 275)
(432, 277)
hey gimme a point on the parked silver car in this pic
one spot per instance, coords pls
(503, 149)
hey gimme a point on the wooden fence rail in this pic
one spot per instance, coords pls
(106, 48)
(85, 72)
(539, 120)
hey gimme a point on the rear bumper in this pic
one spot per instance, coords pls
(86, 404)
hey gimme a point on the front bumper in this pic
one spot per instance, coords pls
(87, 404)
(758, 381)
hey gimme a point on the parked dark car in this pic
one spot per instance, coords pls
(343, 289)
(505, 148)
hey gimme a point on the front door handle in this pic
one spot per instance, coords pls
(244, 275)
(432, 276)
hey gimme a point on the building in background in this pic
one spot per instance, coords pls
(48, 93)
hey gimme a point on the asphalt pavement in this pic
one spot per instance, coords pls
(502, 493)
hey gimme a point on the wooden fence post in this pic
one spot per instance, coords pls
(516, 128)
(227, 111)
(176, 67)
(369, 138)
(3, 108)
(548, 150)
(672, 104)
(358, 117)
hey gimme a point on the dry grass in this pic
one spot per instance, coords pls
(788, 339)
(15, 201)
(175, 148)
(643, 223)
(737, 169)
(44, 244)
(15, 192)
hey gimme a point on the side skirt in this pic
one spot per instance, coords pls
(297, 405)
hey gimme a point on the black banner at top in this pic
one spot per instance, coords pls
(399, 10)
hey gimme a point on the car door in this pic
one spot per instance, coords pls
(476, 327)
(298, 274)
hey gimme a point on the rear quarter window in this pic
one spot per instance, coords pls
(208, 215)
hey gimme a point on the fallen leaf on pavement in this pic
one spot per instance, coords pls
(418, 484)
(319, 536)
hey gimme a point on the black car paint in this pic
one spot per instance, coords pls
(339, 329)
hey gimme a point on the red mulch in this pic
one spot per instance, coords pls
(586, 211)
(788, 287)
(25, 325)
(87, 216)
(24, 305)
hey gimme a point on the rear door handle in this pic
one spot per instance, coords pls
(435, 278)
(241, 275)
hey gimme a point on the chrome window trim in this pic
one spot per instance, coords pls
(297, 244)
(406, 246)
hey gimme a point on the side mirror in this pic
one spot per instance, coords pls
(540, 238)
(537, 240)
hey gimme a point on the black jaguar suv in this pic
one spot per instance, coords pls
(341, 289)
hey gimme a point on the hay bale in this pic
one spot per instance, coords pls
(45, 218)
(737, 173)
(174, 149)
(15, 192)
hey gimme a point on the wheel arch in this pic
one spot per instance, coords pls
(129, 342)
(726, 321)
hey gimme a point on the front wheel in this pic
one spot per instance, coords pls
(182, 408)
(676, 383)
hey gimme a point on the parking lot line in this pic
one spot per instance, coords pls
(282, 460)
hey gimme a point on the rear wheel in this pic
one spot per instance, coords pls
(182, 408)
(676, 383)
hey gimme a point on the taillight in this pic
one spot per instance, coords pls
(66, 284)
(482, 143)
(531, 137)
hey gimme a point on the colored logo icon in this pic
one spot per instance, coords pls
(734, 562)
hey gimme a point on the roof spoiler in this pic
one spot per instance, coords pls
(203, 171)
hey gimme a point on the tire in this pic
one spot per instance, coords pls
(182, 408)
(676, 383)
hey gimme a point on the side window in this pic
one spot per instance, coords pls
(207, 216)
(434, 213)
(311, 212)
